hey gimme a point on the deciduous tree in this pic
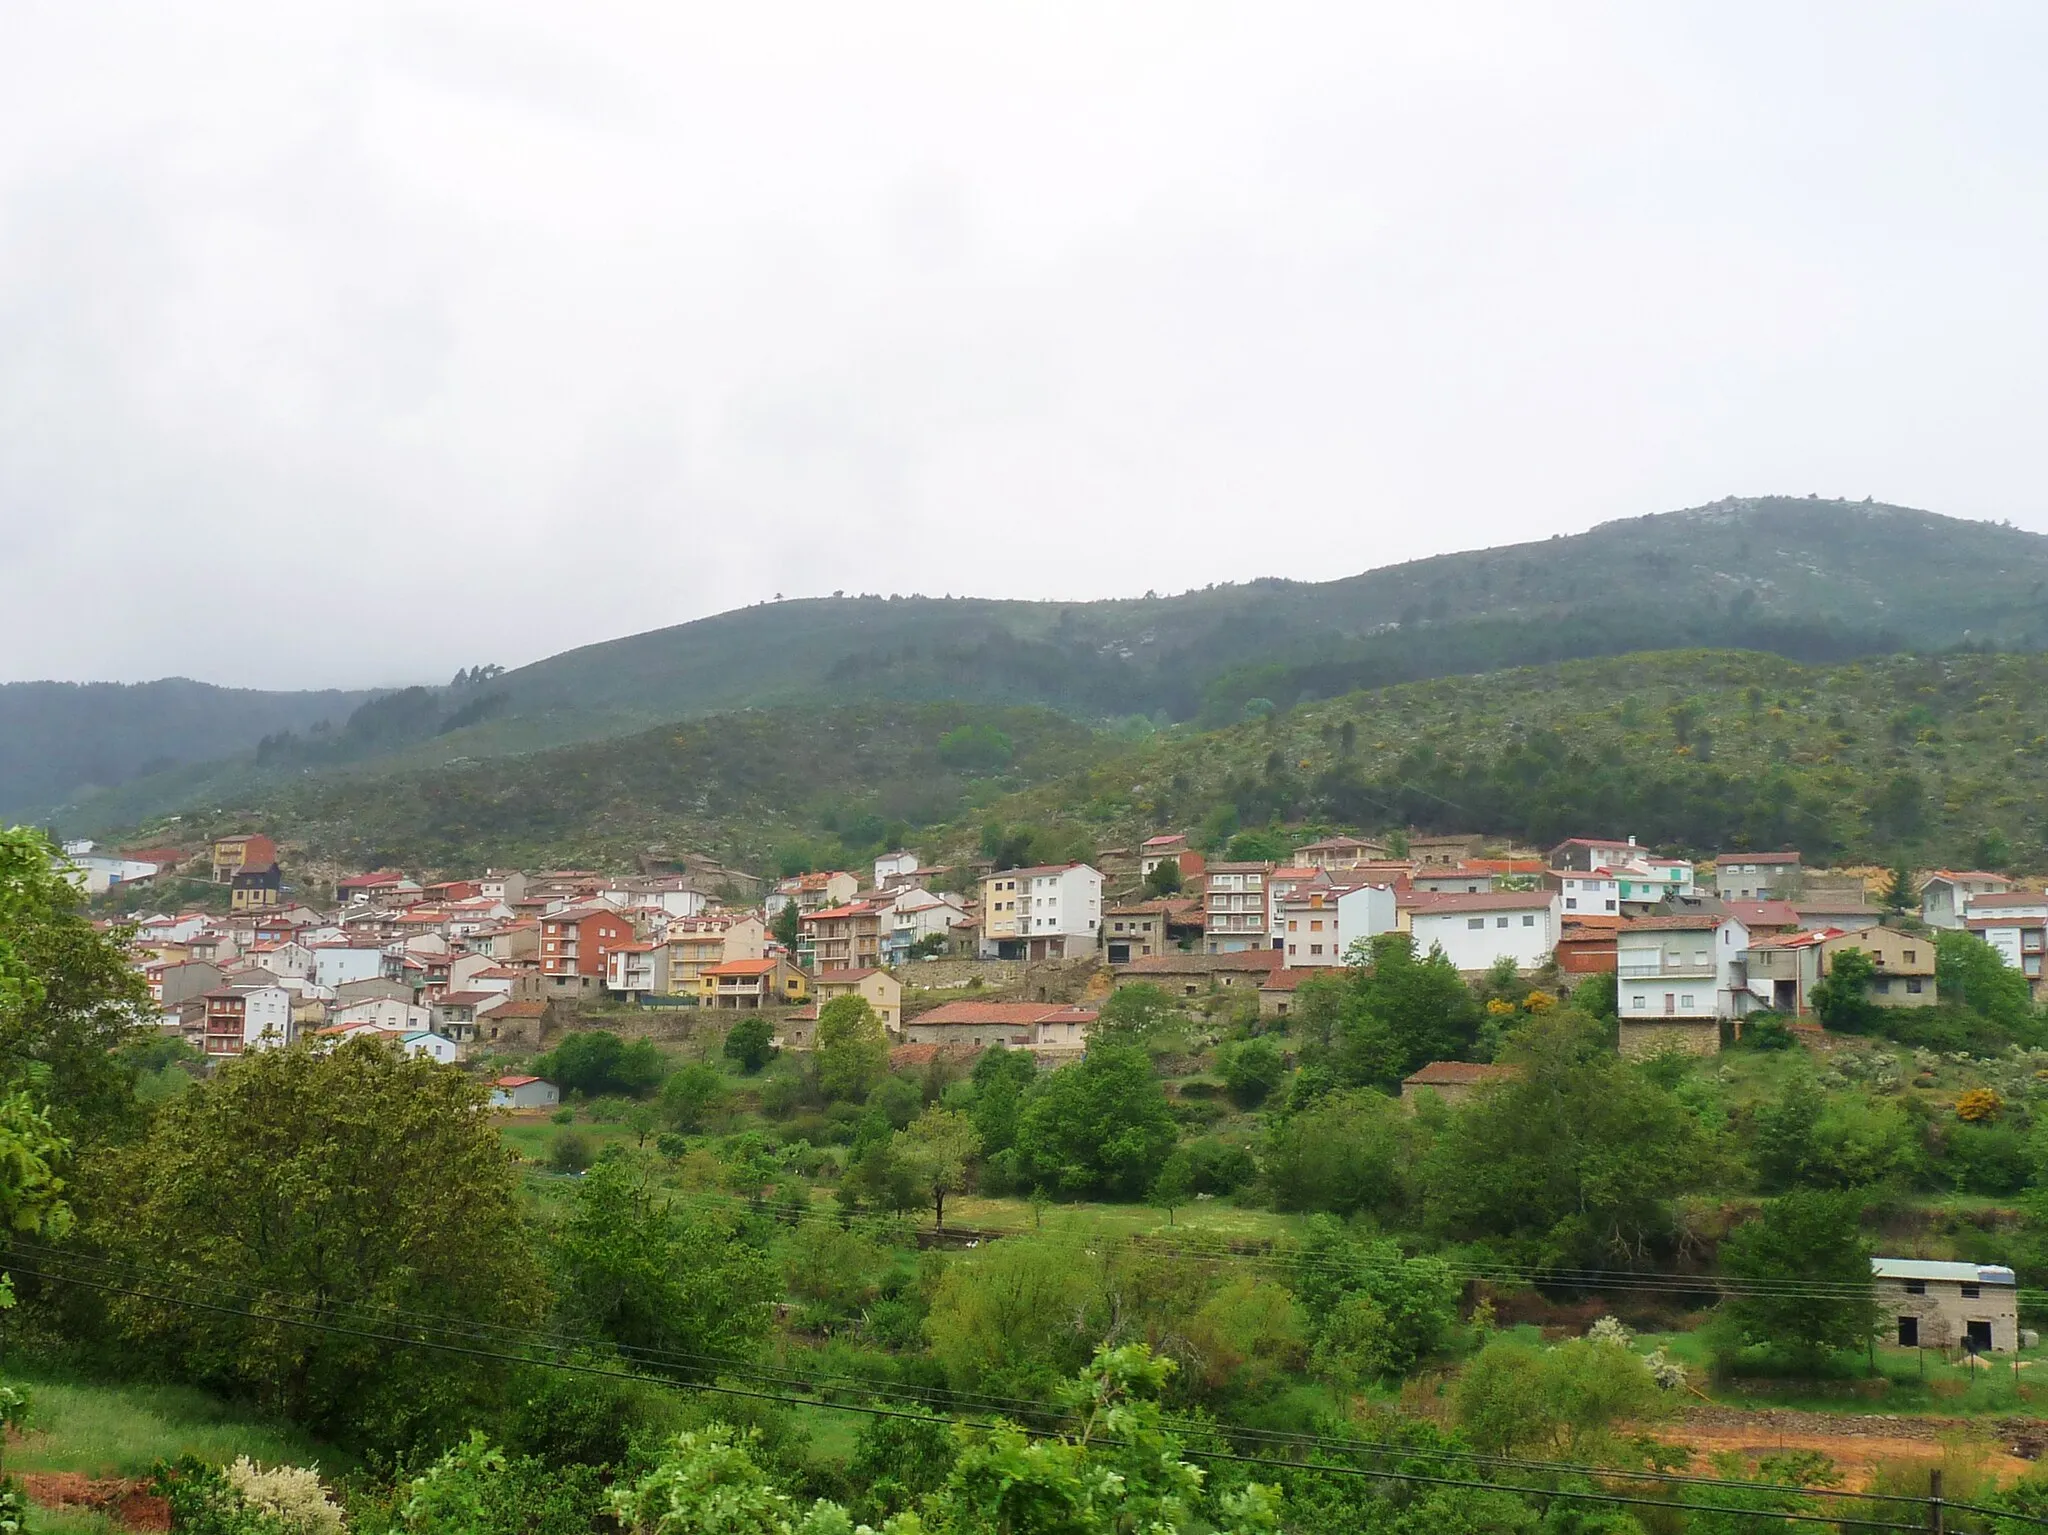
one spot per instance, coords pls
(326, 1188)
(852, 1048)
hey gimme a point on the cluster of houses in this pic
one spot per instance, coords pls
(445, 968)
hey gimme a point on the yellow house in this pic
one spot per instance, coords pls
(883, 991)
(752, 983)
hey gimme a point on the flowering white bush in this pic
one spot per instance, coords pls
(291, 1495)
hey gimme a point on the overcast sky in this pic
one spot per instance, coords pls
(353, 343)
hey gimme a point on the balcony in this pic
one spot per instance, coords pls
(1677, 969)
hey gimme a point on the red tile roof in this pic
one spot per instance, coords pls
(1720, 858)
(1449, 901)
(741, 967)
(2009, 898)
(1698, 922)
(515, 1081)
(1288, 980)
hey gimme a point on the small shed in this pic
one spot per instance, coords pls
(1974, 1306)
(524, 1093)
(1453, 1081)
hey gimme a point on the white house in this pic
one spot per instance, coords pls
(383, 1013)
(2015, 924)
(1050, 912)
(1683, 967)
(433, 1046)
(284, 957)
(1945, 898)
(1587, 893)
(336, 964)
(524, 1093)
(894, 866)
(918, 913)
(97, 873)
(1475, 930)
(1319, 922)
(266, 1017)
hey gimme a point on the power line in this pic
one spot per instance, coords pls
(1312, 1468)
(806, 1380)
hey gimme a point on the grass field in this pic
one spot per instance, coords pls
(122, 1430)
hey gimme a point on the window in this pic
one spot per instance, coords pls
(1315, 948)
(1292, 949)
(1916, 1287)
(1610, 906)
(1912, 956)
(1475, 922)
(1571, 903)
(1685, 1002)
(1529, 921)
(1913, 985)
(1971, 1292)
(1315, 927)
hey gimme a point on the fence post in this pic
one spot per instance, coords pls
(1935, 1521)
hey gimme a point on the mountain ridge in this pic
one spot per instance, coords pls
(1812, 580)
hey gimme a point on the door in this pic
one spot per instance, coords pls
(1977, 1338)
(1909, 1332)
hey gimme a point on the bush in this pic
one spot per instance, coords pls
(597, 1061)
(1217, 1167)
(571, 1152)
(1251, 1071)
(1766, 1031)
(749, 1044)
(563, 1116)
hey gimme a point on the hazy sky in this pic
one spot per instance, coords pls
(354, 343)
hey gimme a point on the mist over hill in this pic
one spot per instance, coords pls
(1810, 580)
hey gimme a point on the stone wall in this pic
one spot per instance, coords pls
(1689, 1036)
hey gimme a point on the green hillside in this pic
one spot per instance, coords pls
(747, 786)
(1810, 580)
(1933, 759)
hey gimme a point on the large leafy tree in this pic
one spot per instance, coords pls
(938, 1149)
(1805, 1273)
(359, 1190)
(1135, 1013)
(853, 1048)
(1578, 1156)
(597, 1061)
(1403, 1011)
(68, 996)
(1969, 973)
(1345, 1153)
(642, 1272)
(1101, 1126)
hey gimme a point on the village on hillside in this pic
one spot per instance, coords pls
(958, 959)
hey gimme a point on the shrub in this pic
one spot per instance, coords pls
(571, 1152)
(749, 1044)
(1980, 1105)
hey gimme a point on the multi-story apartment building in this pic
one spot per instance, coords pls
(1282, 883)
(812, 892)
(1320, 922)
(247, 850)
(1234, 914)
(637, 970)
(575, 940)
(1050, 912)
(1338, 854)
(240, 1018)
(849, 937)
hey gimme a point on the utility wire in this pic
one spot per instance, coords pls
(808, 1380)
(1297, 1467)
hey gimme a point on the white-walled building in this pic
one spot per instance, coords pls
(434, 1046)
(895, 866)
(1587, 893)
(1946, 897)
(1320, 922)
(2015, 925)
(1050, 912)
(383, 1013)
(1283, 883)
(335, 964)
(1476, 930)
(97, 873)
(1684, 967)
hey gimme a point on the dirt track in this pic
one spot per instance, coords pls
(1856, 1443)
